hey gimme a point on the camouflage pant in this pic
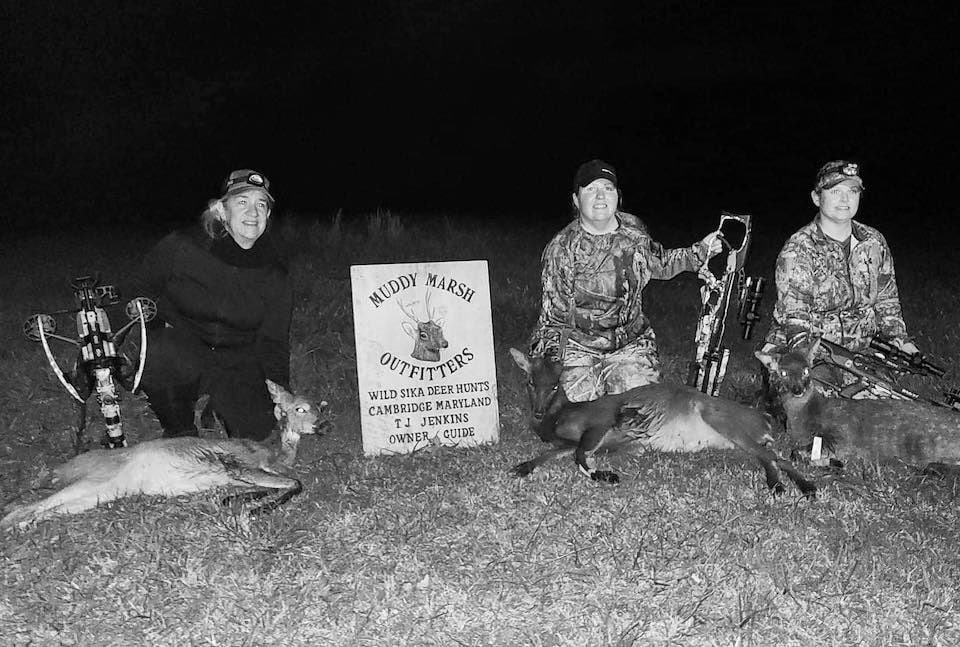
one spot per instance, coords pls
(589, 374)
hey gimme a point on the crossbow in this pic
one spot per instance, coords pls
(874, 372)
(99, 366)
(720, 275)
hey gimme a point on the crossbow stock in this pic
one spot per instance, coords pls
(720, 275)
(99, 367)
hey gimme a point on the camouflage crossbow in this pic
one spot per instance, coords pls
(99, 366)
(719, 275)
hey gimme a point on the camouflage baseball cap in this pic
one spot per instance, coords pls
(833, 173)
(245, 179)
(593, 170)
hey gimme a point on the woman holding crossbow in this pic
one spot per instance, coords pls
(224, 306)
(593, 273)
(835, 277)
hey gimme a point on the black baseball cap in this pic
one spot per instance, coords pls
(593, 170)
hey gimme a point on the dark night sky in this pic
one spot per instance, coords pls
(119, 109)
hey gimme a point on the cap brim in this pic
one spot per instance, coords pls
(593, 178)
(839, 180)
(240, 188)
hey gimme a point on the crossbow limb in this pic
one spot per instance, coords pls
(53, 362)
(143, 345)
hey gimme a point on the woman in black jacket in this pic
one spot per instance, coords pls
(224, 306)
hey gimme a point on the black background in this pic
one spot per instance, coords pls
(134, 112)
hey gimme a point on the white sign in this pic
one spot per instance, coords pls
(425, 361)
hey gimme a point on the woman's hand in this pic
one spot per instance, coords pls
(712, 243)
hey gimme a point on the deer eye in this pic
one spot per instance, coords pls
(302, 409)
(806, 372)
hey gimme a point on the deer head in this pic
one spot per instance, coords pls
(792, 371)
(427, 334)
(543, 383)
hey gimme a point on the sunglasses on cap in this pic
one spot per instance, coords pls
(849, 168)
(254, 179)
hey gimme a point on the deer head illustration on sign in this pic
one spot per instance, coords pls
(427, 334)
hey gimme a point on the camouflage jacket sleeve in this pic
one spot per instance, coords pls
(889, 315)
(556, 300)
(667, 263)
(794, 311)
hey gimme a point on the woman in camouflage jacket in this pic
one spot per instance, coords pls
(835, 276)
(593, 273)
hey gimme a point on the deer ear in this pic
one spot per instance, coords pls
(814, 348)
(767, 360)
(522, 360)
(278, 394)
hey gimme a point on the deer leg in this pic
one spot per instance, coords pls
(942, 470)
(282, 498)
(76, 497)
(807, 488)
(263, 484)
(772, 464)
(526, 468)
(245, 497)
(590, 442)
(772, 473)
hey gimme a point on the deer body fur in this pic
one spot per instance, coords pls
(175, 466)
(914, 432)
(664, 417)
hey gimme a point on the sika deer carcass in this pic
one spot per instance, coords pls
(175, 466)
(914, 432)
(664, 417)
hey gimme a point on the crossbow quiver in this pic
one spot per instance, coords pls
(721, 275)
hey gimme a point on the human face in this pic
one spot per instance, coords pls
(597, 204)
(838, 204)
(245, 216)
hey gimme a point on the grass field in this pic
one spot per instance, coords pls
(444, 547)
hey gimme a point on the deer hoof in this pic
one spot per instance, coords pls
(941, 470)
(523, 469)
(605, 477)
